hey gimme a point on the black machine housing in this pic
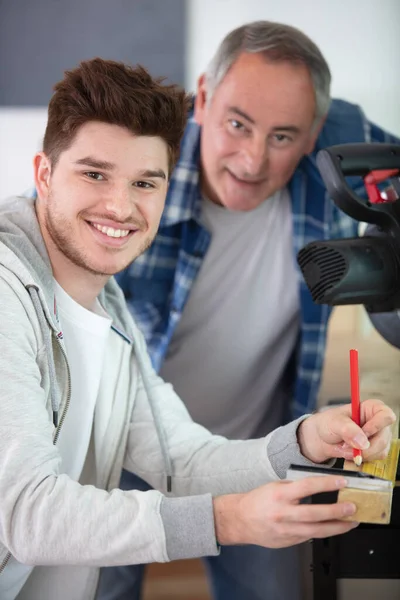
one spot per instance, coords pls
(363, 270)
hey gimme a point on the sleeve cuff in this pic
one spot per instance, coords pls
(283, 449)
(189, 527)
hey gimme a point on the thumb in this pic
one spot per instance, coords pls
(351, 434)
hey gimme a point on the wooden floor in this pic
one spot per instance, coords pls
(181, 579)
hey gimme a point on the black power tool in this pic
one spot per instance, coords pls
(364, 270)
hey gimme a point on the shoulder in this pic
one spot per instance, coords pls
(19, 324)
(345, 123)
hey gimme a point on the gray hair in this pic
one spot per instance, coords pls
(277, 42)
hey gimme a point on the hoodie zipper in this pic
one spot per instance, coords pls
(56, 436)
(5, 561)
(67, 402)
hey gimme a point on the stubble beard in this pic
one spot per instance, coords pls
(61, 234)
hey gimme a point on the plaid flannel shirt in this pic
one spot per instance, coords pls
(158, 283)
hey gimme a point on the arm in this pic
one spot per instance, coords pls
(274, 516)
(388, 325)
(202, 462)
(47, 518)
(69, 523)
(376, 134)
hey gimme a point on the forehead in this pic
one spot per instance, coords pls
(117, 145)
(271, 92)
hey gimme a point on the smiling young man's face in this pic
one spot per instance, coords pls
(100, 205)
(256, 128)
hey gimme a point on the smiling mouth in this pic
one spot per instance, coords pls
(246, 181)
(111, 235)
(111, 232)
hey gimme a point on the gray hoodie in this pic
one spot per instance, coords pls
(69, 529)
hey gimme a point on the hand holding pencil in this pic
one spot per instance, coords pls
(334, 434)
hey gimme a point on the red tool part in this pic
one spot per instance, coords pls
(371, 184)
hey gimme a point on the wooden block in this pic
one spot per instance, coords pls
(379, 378)
(372, 507)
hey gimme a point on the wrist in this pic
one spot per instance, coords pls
(305, 439)
(227, 519)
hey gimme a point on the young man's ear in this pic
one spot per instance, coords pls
(42, 174)
(201, 99)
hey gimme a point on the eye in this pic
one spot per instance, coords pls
(235, 124)
(281, 138)
(145, 185)
(94, 175)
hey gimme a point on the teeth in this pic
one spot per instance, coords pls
(111, 232)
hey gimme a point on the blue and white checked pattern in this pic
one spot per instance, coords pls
(158, 283)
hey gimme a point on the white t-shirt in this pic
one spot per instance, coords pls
(240, 324)
(86, 335)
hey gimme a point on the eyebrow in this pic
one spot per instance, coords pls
(153, 173)
(105, 165)
(89, 161)
(241, 113)
(288, 128)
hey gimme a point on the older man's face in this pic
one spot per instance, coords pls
(255, 130)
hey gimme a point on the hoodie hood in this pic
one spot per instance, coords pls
(23, 250)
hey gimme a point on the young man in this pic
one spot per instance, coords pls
(224, 310)
(79, 397)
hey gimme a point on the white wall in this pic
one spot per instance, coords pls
(359, 38)
(21, 135)
(360, 41)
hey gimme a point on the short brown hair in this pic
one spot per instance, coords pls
(119, 94)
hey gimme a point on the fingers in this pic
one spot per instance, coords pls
(274, 517)
(378, 419)
(383, 418)
(303, 532)
(330, 529)
(378, 449)
(380, 446)
(342, 451)
(316, 513)
(350, 433)
(297, 490)
(375, 416)
(304, 522)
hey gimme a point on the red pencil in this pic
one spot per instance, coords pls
(355, 399)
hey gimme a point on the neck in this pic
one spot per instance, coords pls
(207, 191)
(82, 285)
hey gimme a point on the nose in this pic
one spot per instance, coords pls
(255, 158)
(120, 205)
